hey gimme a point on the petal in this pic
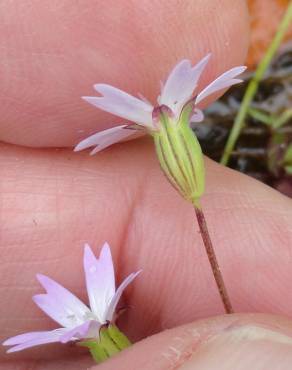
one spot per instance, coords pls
(60, 304)
(225, 80)
(115, 300)
(181, 84)
(121, 104)
(197, 116)
(89, 329)
(100, 280)
(105, 138)
(32, 339)
(26, 337)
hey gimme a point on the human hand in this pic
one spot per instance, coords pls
(52, 201)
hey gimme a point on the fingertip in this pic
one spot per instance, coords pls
(228, 342)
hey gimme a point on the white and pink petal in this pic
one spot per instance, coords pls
(60, 304)
(100, 280)
(32, 339)
(115, 299)
(121, 104)
(89, 329)
(181, 84)
(197, 116)
(224, 81)
(105, 138)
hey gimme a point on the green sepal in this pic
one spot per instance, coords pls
(96, 350)
(107, 342)
(180, 155)
(110, 342)
(118, 337)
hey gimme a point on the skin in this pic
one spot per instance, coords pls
(53, 200)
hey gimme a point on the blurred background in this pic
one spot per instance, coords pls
(264, 147)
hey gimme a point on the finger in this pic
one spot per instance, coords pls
(234, 342)
(53, 52)
(52, 202)
(71, 363)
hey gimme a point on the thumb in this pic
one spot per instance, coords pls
(233, 342)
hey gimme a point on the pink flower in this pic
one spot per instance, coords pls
(177, 91)
(76, 319)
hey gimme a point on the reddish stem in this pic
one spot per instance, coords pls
(213, 260)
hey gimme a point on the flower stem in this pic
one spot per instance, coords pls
(212, 258)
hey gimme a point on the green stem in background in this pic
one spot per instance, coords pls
(272, 121)
(260, 116)
(253, 85)
(212, 258)
(282, 119)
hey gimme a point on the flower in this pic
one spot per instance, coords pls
(176, 94)
(77, 320)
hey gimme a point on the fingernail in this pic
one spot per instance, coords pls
(247, 347)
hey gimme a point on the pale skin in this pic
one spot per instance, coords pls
(52, 201)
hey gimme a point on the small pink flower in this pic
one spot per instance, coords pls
(76, 319)
(177, 91)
